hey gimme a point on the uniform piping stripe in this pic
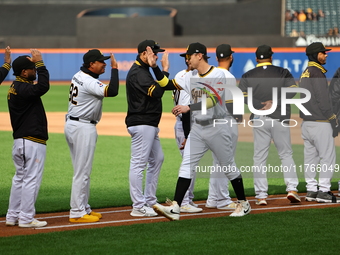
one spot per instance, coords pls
(163, 82)
(105, 91)
(136, 62)
(7, 66)
(312, 63)
(33, 139)
(205, 74)
(39, 64)
(151, 89)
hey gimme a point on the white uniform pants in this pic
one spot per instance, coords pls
(219, 183)
(179, 135)
(268, 129)
(146, 153)
(81, 138)
(29, 159)
(318, 149)
(204, 138)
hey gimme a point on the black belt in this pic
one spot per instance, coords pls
(204, 122)
(77, 119)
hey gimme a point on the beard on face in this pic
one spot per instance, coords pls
(31, 77)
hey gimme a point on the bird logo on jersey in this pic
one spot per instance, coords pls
(197, 92)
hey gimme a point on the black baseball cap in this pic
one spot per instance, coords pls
(152, 44)
(223, 51)
(21, 63)
(264, 52)
(195, 48)
(315, 47)
(94, 55)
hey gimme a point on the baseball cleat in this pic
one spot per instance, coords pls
(34, 224)
(145, 211)
(326, 197)
(311, 196)
(12, 223)
(193, 204)
(85, 219)
(242, 208)
(99, 215)
(231, 206)
(261, 201)
(171, 212)
(293, 197)
(210, 204)
(190, 209)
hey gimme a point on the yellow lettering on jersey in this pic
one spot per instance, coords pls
(11, 91)
(305, 74)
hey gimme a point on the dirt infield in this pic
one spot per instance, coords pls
(113, 124)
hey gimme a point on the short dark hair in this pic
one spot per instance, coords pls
(86, 65)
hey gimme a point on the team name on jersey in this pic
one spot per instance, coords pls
(11, 91)
(77, 81)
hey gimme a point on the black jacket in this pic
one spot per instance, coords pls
(334, 92)
(314, 80)
(144, 96)
(4, 69)
(262, 79)
(26, 110)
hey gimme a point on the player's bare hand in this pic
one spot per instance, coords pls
(36, 56)
(151, 57)
(114, 63)
(178, 109)
(165, 62)
(183, 144)
(267, 105)
(8, 55)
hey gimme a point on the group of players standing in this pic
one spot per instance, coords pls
(195, 130)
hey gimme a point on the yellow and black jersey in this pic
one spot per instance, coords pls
(27, 113)
(143, 95)
(262, 79)
(314, 80)
(4, 69)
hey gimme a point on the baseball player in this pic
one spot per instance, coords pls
(262, 79)
(84, 113)
(4, 69)
(334, 91)
(203, 135)
(218, 184)
(318, 129)
(29, 123)
(182, 129)
(144, 98)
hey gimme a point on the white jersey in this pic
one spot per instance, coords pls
(86, 97)
(196, 85)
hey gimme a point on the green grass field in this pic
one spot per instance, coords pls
(270, 233)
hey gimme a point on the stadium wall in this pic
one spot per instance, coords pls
(64, 63)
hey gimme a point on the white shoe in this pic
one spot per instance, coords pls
(193, 204)
(210, 204)
(190, 209)
(171, 212)
(231, 206)
(145, 211)
(242, 208)
(11, 223)
(34, 224)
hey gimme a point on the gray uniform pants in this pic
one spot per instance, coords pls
(204, 138)
(318, 149)
(146, 153)
(266, 130)
(29, 159)
(81, 138)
